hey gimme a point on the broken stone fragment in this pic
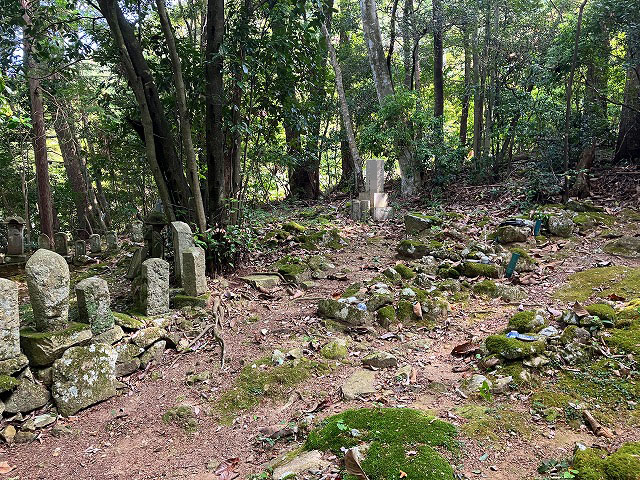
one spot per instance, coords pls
(561, 225)
(128, 359)
(342, 312)
(476, 383)
(42, 348)
(380, 360)
(83, 377)
(512, 234)
(417, 222)
(153, 354)
(13, 365)
(147, 336)
(361, 382)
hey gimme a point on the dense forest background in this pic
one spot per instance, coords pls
(108, 107)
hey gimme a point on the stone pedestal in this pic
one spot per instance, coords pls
(182, 241)
(194, 279)
(155, 286)
(9, 320)
(47, 275)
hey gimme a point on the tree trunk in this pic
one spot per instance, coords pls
(70, 149)
(478, 97)
(45, 199)
(628, 143)
(409, 173)
(143, 91)
(214, 100)
(466, 96)
(407, 43)
(183, 115)
(352, 155)
(569, 93)
(438, 82)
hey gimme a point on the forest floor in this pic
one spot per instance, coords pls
(502, 435)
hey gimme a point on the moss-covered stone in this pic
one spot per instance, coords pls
(294, 227)
(335, 349)
(628, 313)
(378, 300)
(183, 416)
(404, 271)
(619, 280)
(390, 433)
(342, 312)
(412, 249)
(352, 290)
(485, 287)
(512, 348)
(625, 340)
(418, 222)
(405, 313)
(128, 322)
(293, 269)
(626, 246)
(602, 310)
(42, 348)
(448, 272)
(527, 321)
(595, 464)
(181, 301)
(8, 383)
(476, 269)
(13, 365)
(386, 316)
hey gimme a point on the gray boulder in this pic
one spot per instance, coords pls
(83, 377)
(561, 225)
(27, 396)
(512, 234)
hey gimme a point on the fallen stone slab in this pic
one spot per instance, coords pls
(361, 382)
(42, 348)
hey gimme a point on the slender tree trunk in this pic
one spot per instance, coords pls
(478, 97)
(628, 143)
(492, 72)
(214, 100)
(183, 115)
(354, 154)
(407, 42)
(569, 93)
(45, 199)
(466, 96)
(438, 81)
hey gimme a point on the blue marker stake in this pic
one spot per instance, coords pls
(512, 264)
(536, 229)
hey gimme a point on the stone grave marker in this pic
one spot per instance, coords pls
(155, 286)
(44, 241)
(94, 304)
(95, 243)
(194, 279)
(182, 241)
(47, 275)
(61, 242)
(112, 241)
(9, 320)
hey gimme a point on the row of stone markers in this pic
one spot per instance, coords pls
(75, 363)
(373, 202)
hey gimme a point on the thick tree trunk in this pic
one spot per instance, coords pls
(628, 143)
(214, 100)
(131, 55)
(164, 161)
(45, 199)
(183, 115)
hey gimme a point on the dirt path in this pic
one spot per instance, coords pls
(126, 437)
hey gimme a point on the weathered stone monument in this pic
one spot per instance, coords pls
(137, 231)
(112, 241)
(61, 242)
(80, 248)
(44, 241)
(153, 241)
(182, 241)
(373, 201)
(194, 280)
(9, 321)
(94, 304)
(154, 293)
(47, 275)
(15, 240)
(135, 265)
(95, 243)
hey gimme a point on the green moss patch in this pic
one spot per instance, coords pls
(512, 348)
(625, 340)
(127, 321)
(386, 316)
(522, 321)
(595, 464)
(404, 271)
(183, 416)
(485, 287)
(390, 434)
(581, 286)
(181, 301)
(8, 383)
(263, 380)
(475, 269)
(604, 311)
(488, 423)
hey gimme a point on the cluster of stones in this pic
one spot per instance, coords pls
(75, 364)
(373, 202)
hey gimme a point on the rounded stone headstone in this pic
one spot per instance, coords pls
(94, 304)
(47, 275)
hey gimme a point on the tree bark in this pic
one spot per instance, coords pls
(569, 93)
(438, 81)
(478, 97)
(628, 143)
(466, 96)
(45, 199)
(353, 153)
(214, 100)
(183, 115)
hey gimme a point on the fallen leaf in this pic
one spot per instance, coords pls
(616, 298)
(5, 467)
(417, 310)
(579, 310)
(297, 293)
(403, 474)
(226, 470)
(465, 349)
(352, 464)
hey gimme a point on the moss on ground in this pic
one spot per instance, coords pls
(487, 423)
(475, 269)
(619, 280)
(627, 314)
(604, 311)
(522, 321)
(595, 464)
(390, 434)
(404, 271)
(591, 219)
(261, 379)
(625, 340)
(485, 287)
(335, 350)
(183, 416)
(512, 348)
